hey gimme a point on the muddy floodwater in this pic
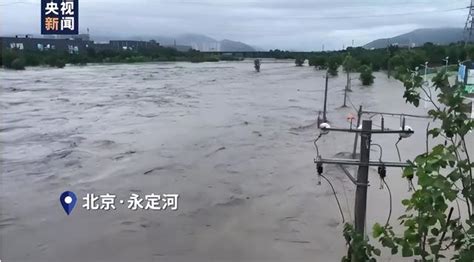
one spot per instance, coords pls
(236, 145)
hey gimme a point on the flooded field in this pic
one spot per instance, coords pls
(237, 146)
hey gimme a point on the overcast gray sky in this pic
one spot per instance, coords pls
(283, 24)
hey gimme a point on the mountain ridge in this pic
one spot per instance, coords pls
(418, 37)
(196, 41)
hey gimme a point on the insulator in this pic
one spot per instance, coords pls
(319, 167)
(382, 172)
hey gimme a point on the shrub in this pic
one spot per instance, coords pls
(60, 63)
(299, 61)
(366, 76)
(318, 61)
(7, 58)
(333, 66)
(18, 64)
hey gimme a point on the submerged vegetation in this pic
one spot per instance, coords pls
(366, 76)
(391, 59)
(18, 59)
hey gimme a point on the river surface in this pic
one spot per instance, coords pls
(236, 145)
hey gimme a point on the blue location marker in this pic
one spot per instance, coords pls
(68, 201)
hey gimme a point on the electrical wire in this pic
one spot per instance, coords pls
(316, 146)
(335, 195)
(398, 150)
(410, 182)
(347, 199)
(381, 150)
(390, 199)
(352, 104)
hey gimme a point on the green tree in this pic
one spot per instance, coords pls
(318, 61)
(18, 64)
(333, 65)
(366, 76)
(299, 61)
(350, 64)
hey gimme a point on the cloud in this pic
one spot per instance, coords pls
(283, 24)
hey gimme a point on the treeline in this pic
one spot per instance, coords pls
(18, 59)
(389, 59)
(393, 59)
(393, 56)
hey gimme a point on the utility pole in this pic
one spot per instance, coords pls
(348, 87)
(325, 98)
(389, 70)
(469, 26)
(364, 163)
(446, 60)
(362, 177)
(359, 117)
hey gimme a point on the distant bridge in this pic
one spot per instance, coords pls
(259, 54)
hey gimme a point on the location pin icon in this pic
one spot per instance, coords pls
(68, 201)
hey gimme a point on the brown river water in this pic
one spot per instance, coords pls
(236, 145)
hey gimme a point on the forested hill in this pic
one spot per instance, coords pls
(440, 36)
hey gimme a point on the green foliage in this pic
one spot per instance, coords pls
(443, 175)
(18, 64)
(281, 54)
(350, 64)
(318, 61)
(366, 76)
(333, 65)
(78, 59)
(8, 56)
(230, 58)
(55, 60)
(390, 58)
(59, 59)
(359, 248)
(60, 63)
(299, 61)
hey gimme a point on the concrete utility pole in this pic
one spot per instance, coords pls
(348, 88)
(426, 71)
(325, 97)
(359, 116)
(469, 26)
(364, 163)
(362, 177)
(446, 65)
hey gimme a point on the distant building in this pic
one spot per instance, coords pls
(72, 46)
(132, 45)
(84, 37)
(180, 48)
(78, 44)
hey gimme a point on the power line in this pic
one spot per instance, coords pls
(335, 195)
(390, 201)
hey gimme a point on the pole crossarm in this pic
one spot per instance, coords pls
(353, 162)
(394, 114)
(353, 179)
(373, 131)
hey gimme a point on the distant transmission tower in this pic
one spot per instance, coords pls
(469, 27)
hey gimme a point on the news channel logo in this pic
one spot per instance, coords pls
(59, 17)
